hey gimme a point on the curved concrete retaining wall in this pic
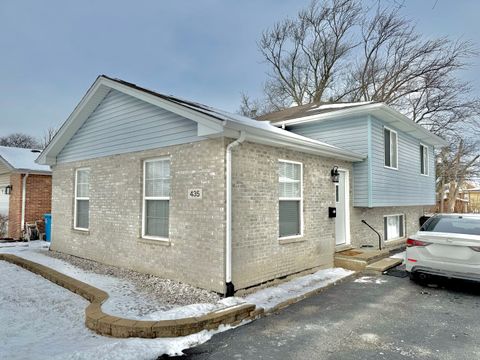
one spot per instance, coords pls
(104, 324)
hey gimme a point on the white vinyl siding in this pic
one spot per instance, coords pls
(394, 227)
(390, 144)
(82, 199)
(423, 159)
(156, 195)
(290, 207)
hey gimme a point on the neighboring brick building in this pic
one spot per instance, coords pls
(25, 190)
(181, 190)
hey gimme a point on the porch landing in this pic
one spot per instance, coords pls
(361, 259)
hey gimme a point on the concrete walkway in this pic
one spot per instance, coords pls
(370, 318)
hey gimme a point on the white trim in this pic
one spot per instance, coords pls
(24, 201)
(75, 227)
(397, 145)
(403, 230)
(300, 199)
(426, 161)
(145, 198)
(348, 238)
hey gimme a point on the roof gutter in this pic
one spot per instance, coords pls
(229, 287)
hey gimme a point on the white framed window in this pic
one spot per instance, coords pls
(82, 199)
(290, 204)
(390, 141)
(156, 199)
(394, 226)
(424, 159)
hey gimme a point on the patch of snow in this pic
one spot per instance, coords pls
(272, 296)
(339, 105)
(401, 255)
(13, 244)
(124, 299)
(22, 159)
(370, 280)
(40, 320)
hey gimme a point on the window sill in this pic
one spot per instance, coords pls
(153, 241)
(291, 239)
(81, 231)
(390, 168)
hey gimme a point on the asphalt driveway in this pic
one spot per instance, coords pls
(374, 318)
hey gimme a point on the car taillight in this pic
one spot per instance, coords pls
(475, 248)
(413, 242)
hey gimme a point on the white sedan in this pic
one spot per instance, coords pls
(446, 245)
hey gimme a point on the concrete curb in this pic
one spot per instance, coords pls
(104, 324)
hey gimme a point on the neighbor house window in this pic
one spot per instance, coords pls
(394, 227)
(390, 148)
(290, 199)
(82, 199)
(423, 159)
(156, 198)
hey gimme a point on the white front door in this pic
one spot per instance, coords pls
(342, 228)
(4, 198)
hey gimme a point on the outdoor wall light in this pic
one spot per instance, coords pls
(8, 189)
(335, 174)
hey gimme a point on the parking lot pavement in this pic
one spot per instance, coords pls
(380, 317)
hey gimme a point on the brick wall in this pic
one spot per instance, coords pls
(38, 198)
(37, 201)
(15, 207)
(258, 254)
(195, 253)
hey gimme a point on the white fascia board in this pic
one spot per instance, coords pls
(302, 144)
(381, 110)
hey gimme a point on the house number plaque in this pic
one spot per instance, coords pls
(194, 193)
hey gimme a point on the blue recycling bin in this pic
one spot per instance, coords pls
(48, 226)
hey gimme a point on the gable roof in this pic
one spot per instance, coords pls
(22, 160)
(211, 122)
(313, 113)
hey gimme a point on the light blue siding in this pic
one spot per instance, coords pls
(373, 184)
(405, 186)
(121, 124)
(351, 134)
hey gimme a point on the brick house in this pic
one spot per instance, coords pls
(25, 189)
(178, 189)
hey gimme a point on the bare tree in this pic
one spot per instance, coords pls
(341, 50)
(456, 164)
(19, 140)
(416, 76)
(306, 53)
(47, 137)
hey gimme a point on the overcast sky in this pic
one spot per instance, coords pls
(203, 50)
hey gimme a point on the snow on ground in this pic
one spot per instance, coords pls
(272, 296)
(40, 320)
(370, 280)
(13, 244)
(124, 299)
(400, 255)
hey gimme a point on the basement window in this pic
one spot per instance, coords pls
(394, 226)
(156, 199)
(82, 199)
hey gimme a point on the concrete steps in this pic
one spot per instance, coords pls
(383, 265)
(358, 259)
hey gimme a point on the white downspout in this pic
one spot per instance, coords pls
(230, 289)
(24, 199)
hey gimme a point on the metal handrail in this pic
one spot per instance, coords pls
(379, 236)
